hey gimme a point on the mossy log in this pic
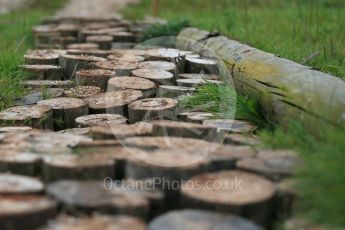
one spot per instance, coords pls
(286, 90)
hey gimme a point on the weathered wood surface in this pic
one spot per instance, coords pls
(286, 90)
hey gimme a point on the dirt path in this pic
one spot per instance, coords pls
(94, 8)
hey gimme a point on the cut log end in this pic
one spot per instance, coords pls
(100, 119)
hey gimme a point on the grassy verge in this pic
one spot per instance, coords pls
(308, 32)
(15, 39)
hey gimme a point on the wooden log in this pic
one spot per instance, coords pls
(184, 129)
(152, 109)
(196, 82)
(83, 91)
(77, 167)
(100, 119)
(90, 52)
(11, 184)
(90, 196)
(200, 220)
(38, 84)
(196, 117)
(122, 36)
(15, 129)
(103, 41)
(68, 29)
(285, 90)
(236, 192)
(160, 65)
(199, 76)
(114, 102)
(25, 212)
(147, 87)
(172, 91)
(72, 63)
(62, 42)
(86, 32)
(275, 165)
(287, 199)
(42, 57)
(36, 116)
(122, 45)
(94, 77)
(239, 139)
(43, 72)
(65, 111)
(77, 131)
(160, 77)
(169, 55)
(131, 52)
(83, 46)
(121, 68)
(96, 222)
(19, 163)
(201, 66)
(231, 126)
(126, 58)
(121, 131)
(35, 96)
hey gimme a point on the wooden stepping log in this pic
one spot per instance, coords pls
(184, 129)
(114, 102)
(19, 185)
(172, 91)
(121, 131)
(198, 65)
(25, 212)
(231, 126)
(195, 117)
(196, 82)
(160, 77)
(121, 68)
(100, 119)
(163, 54)
(200, 220)
(15, 129)
(90, 196)
(122, 36)
(36, 116)
(96, 222)
(38, 95)
(160, 65)
(287, 199)
(62, 42)
(275, 165)
(68, 29)
(42, 57)
(43, 72)
(38, 84)
(152, 109)
(126, 58)
(83, 46)
(77, 167)
(83, 91)
(130, 52)
(65, 111)
(77, 131)
(94, 77)
(19, 163)
(240, 139)
(236, 192)
(147, 87)
(91, 52)
(199, 76)
(104, 41)
(72, 63)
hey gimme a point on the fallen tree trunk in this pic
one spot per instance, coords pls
(286, 90)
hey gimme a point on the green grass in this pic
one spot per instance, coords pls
(306, 31)
(15, 39)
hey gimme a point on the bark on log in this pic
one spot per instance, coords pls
(100, 119)
(172, 91)
(11, 184)
(43, 72)
(152, 109)
(83, 92)
(200, 220)
(25, 212)
(287, 199)
(47, 84)
(19, 163)
(160, 77)
(160, 65)
(42, 57)
(94, 77)
(236, 192)
(147, 87)
(114, 102)
(36, 116)
(286, 90)
(103, 41)
(90, 196)
(65, 111)
(121, 68)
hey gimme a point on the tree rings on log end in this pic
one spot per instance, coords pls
(197, 65)
(162, 54)
(42, 57)
(36, 116)
(83, 91)
(121, 68)
(100, 119)
(19, 185)
(172, 91)
(90, 196)
(200, 220)
(83, 46)
(152, 109)
(38, 84)
(146, 86)
(114, 102)
(159, 65)
(160, 77)
(43, 72)
(235, 192)
(94, 77)
(65, 111)
(126, 58)
(232, 126)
